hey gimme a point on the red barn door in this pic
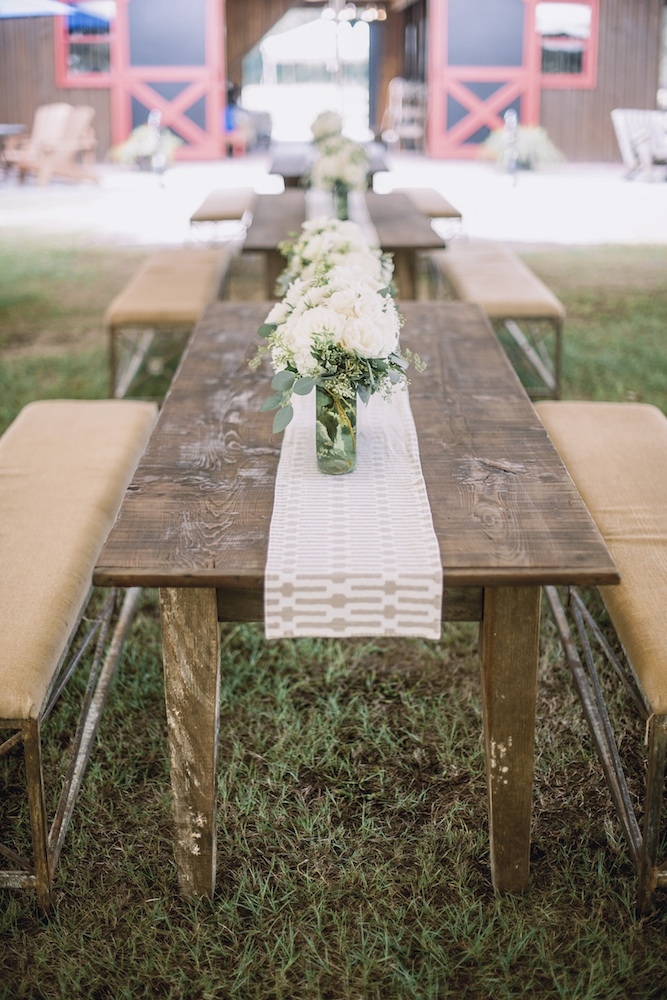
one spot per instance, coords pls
(482, 62)
(169, 56)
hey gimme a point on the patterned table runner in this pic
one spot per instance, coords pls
(353, 555)
(320, 203)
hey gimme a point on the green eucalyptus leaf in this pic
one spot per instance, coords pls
(302, 386)
(266, 329)
(364, 393)
(270, 403)
(283, 380)
(282, 418)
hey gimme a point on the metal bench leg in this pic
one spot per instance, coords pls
(643, 842)
(42, 873)
(649, 875)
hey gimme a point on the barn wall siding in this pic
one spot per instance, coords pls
(27, 77)
(578, 121)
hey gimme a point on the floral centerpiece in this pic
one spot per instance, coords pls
(326, 125)
(324, 243)
(340, 166)
(338, 332)
(149, 146)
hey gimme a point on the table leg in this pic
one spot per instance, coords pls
(509, 647)
(275, 265)
(191, 654)
(405, 273)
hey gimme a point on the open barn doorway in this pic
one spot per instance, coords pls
(310, 61)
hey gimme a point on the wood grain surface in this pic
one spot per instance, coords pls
(199, 508)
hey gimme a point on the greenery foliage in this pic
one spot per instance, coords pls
(533, 149)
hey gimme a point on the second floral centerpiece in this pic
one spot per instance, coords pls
(340, 165)
(336, 331)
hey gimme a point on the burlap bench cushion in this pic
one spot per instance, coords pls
(430, 203)
(499, 281)
(616, 454)
(225, 205)
(170, 288)
(64, 467)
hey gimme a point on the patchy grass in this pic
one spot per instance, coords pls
(53, 293)
(616, 301)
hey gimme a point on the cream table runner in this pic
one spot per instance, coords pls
(353, 555)
(320, 203)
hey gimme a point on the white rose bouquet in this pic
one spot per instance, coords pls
(340, 162)
(339, 332)
(324, 243)
(326, 125)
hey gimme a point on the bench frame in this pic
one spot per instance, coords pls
(532, 349)
(527, 341)
(128, 349)
(131, 340)
(642, 836)
(100, 639)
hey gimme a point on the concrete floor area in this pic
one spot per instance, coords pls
(567, 204)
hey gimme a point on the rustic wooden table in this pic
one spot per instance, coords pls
(294, 160)
(401, 228)
(195, 523)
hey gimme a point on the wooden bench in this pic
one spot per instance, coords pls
(512, 296)
(169, 292)
(226, 205)
(616, 454)
(436, 208)
(431, 203)
(64, 467)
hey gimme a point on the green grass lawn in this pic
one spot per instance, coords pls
(352, 826)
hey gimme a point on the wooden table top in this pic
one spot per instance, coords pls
(198, 511)
(398, 223)
(274, 218)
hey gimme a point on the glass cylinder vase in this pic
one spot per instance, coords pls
(335, 433)
(340, 193)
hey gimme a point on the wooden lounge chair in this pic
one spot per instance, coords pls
(642, 138)
(62, 144)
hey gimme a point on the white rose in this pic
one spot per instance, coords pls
(278, 314)
(321, 319)
(369, 337)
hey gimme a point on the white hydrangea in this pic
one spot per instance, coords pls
(348, 310)
(340, 161)
(325, 243)
(327, 124)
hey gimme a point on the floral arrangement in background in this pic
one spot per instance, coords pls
(325, 243)
(337, 327)
(326, 125)
(150, 146)
(340, 163)
(532, 147)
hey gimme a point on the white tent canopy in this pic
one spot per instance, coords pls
(33, 8)
(104, 9)
(317, 42)
(572, 19)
